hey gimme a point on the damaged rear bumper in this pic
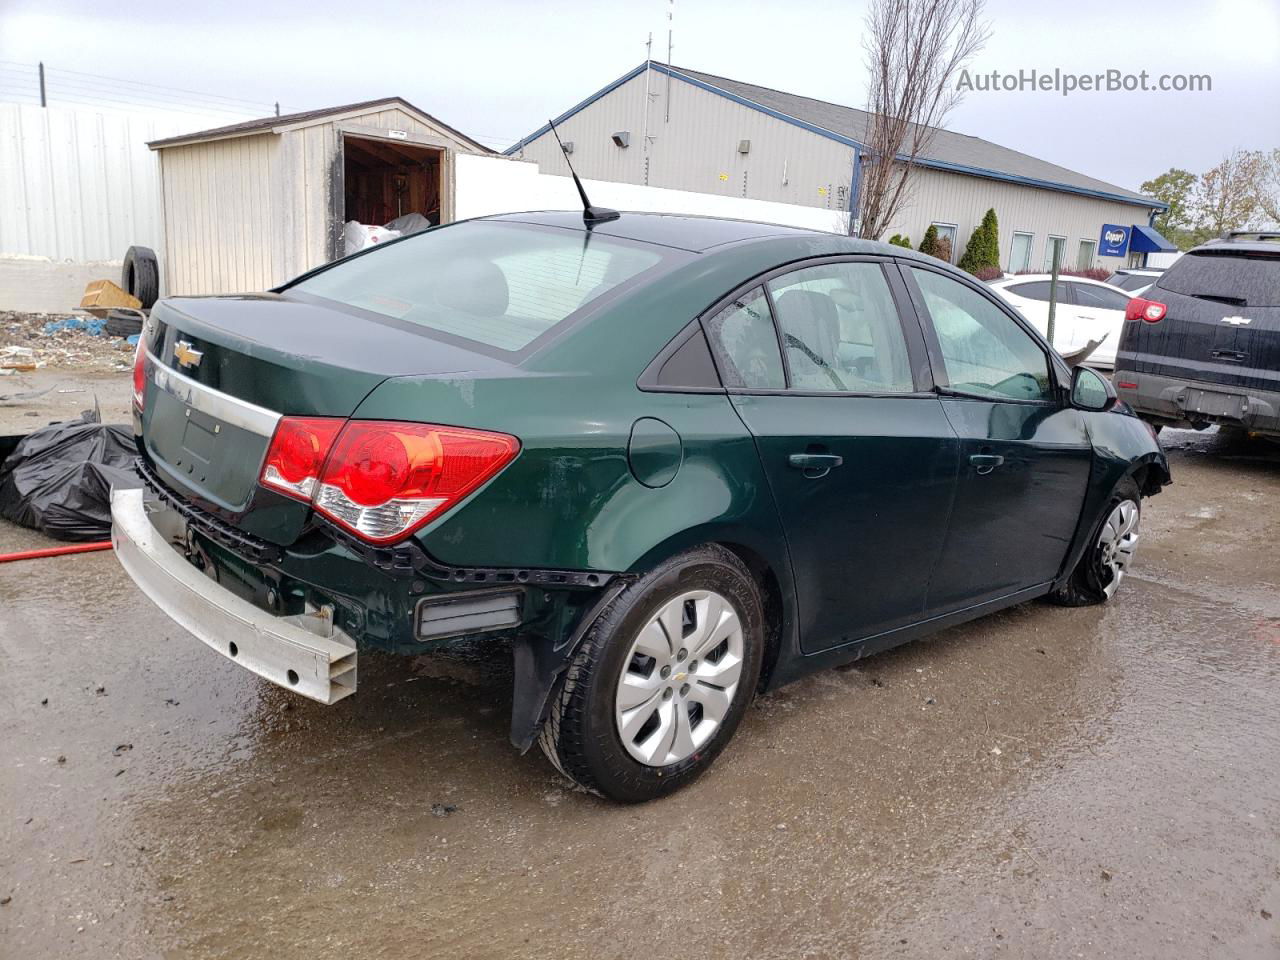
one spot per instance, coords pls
(304, 653)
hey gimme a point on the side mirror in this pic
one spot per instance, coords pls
(1090, 390)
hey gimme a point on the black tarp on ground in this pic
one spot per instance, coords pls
(59, 479)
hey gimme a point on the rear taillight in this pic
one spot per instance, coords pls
(381, 480)
(140, 374)
(297, 454)
(1152, 311)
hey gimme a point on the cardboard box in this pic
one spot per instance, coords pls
(103, 295)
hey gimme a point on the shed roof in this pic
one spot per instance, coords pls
(304, 119)
(948, 150)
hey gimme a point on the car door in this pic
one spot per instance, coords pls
(1025, 453)
(1099, 312)
(859, 456)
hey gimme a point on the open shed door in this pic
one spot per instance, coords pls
(386, 179)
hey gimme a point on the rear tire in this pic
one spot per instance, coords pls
(662, 679)
(141, 275)
(122, 323)
(1105, 561)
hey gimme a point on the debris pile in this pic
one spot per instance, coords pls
(31, 341)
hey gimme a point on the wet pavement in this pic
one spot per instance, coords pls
(1096, 782)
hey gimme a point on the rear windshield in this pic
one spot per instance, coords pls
(1236, 277)
(498, 284)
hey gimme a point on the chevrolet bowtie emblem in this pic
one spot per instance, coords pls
(187, 355)
(1237, 321)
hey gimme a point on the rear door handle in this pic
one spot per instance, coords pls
(815, 465)
(986, 462)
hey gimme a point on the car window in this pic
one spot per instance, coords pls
(1100, 298)
(841, 330)
(1233, 277)
(745, 343)
(1034, 290)
(1130, 281)
(985, 352)
(499, 284)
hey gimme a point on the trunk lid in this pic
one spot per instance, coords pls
(223, 370)
(1223, 320)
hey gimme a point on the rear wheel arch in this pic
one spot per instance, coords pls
(770, 573)
(580, 737)
(771, 600)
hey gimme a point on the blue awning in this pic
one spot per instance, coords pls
(1147, 240)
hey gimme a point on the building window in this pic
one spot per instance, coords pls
(1055, 250)
(1085, 257)
(947, 231)
(1020, 252)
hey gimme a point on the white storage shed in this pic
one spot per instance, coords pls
(248, 206)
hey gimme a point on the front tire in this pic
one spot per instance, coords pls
(1105, 562)
(662, 679)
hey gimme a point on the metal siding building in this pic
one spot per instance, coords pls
(715, 135)
(251, 205)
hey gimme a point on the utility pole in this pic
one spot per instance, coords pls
(1053, 288)
(44, 102)
(277, 108)
(671, 9)
(648, 98)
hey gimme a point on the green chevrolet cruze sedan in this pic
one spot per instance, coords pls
(672, 461)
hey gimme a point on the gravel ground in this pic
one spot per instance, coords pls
(69, 350)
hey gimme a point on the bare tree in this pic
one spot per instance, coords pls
(1226, 197)
(1268, 188)
(914, 50)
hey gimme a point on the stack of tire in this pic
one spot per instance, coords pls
(141, 278)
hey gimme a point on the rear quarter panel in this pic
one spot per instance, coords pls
(570, 500)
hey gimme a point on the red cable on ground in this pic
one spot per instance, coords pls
(55, 551)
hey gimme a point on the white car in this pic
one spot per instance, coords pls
(1135, 280)
(1087, 310)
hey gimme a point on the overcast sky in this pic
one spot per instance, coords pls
(497, 68)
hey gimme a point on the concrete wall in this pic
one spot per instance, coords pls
(44, 285)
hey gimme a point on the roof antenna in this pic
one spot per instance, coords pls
(590, 215)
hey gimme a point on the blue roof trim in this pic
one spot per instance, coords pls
(761, 108)
(838, 138)
(664, 69)
(546, 127)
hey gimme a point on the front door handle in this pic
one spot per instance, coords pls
(986, 462)
(815, 465)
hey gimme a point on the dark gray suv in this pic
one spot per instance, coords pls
(1202, 345)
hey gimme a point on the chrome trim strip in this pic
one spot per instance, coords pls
(219, 405)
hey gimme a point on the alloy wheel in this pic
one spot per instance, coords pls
(679, 678)
(1116, 543)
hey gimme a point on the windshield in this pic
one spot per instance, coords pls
(498, 284)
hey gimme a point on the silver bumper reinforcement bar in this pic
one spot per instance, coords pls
(303, 653)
